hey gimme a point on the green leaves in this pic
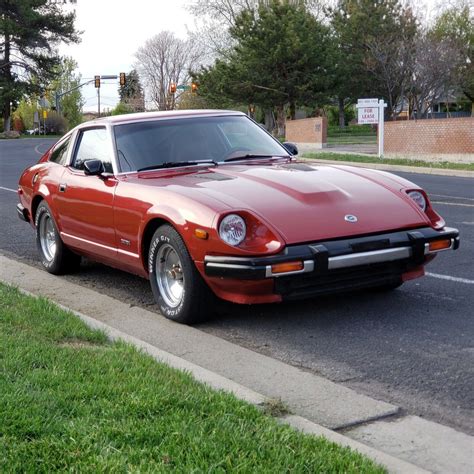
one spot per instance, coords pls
(29, 30)
(280, 57)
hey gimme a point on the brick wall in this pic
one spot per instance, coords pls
(307, 131)
(430, 137)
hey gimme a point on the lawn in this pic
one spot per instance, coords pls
(388, 161)
(353, 134)
(70, 400)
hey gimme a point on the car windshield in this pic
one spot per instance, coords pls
(185, 141)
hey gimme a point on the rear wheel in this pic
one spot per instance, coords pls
(177, 286)
(55, 257)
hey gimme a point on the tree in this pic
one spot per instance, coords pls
(434, 72)
(280, 57)
(121, 108)
(69, 104)
(376, 45)
(166, 59)
(29, 30)
(456, 25)
(26, 111)
(216, 17)
(131, 93)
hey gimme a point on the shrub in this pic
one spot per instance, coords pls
(56, 123)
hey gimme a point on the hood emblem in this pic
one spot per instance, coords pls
(350, 218)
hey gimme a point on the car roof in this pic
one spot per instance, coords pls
(146, 116)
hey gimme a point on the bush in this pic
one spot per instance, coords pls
(121, 109)
(56, 123)
(332, 113)
(18, 125)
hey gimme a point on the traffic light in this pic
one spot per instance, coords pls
(97, 81)
(194, 87)
(172, 88)
(123, 79)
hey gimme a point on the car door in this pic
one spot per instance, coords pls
(85, 203)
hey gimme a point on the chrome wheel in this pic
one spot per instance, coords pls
(47, 236)
(169, 275)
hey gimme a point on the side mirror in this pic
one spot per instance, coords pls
(291, 148)
(93, 167)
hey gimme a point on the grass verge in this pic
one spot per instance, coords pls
(388, 161)
(71, 400)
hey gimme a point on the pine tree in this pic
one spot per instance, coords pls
(29, 30)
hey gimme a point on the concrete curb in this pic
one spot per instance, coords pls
(218, 382)
(403, 168)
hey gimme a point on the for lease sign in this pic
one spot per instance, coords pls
(368, 115)
(368, 111)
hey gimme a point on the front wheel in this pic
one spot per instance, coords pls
(55, 256)
(177, 286)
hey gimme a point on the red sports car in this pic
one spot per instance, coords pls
(207, 203)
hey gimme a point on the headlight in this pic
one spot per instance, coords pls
(232, 229)
(418, 198)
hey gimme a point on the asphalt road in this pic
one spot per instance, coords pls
(413, 347)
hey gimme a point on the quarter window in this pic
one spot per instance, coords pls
(93, 144)
(59, 154)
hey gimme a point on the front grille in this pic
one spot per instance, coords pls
(341, 280)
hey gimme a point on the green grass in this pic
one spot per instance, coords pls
(351, 135)
(352, 139)
(72, 401)
(351, 130)
(388, 161)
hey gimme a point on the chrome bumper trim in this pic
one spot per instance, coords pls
(365, 258)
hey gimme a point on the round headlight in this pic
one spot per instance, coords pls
(418, 198)
(232, 229)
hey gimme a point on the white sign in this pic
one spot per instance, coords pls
(372, 111)
(367, 102)
(368, 115)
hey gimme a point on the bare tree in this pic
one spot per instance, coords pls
(434, 73)
(215, 17)
(163, 60)
(391, 62)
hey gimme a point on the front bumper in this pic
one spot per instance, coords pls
(22, 213)
(338, 265)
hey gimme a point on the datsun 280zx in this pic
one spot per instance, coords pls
(207, 203)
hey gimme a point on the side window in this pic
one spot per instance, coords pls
(93, 144)
(59, 154)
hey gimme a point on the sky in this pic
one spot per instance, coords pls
(113, 30)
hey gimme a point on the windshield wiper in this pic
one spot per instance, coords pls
(176, 164)
(252, 157)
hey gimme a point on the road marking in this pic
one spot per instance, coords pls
(467, 223)
(452, 203)
(40, 152)
(450, 278)
(452, 197)
(8, 189)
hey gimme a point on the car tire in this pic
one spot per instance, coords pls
(177, 286)
(56, 258)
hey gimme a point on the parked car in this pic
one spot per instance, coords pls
(207, 203)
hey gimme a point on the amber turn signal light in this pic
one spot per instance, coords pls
(201, 234)
(287, 267)
(440, 245)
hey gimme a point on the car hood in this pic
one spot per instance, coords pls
(306, 203)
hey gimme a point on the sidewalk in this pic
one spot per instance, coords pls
(318, 406)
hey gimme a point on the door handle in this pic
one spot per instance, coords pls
(62, 187)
